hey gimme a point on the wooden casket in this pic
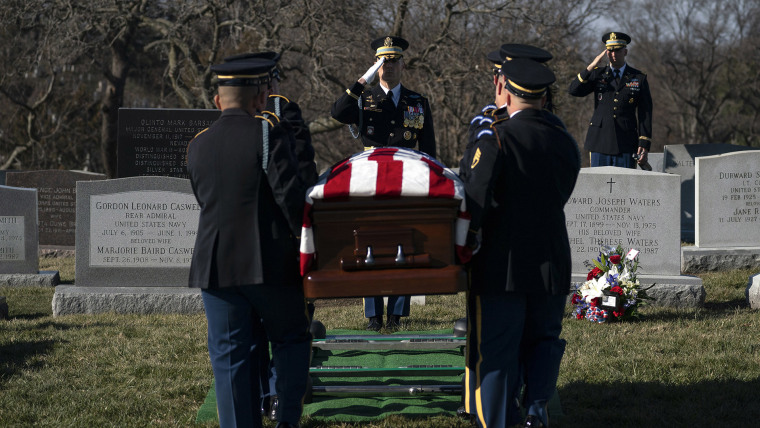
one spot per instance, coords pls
(381, 241)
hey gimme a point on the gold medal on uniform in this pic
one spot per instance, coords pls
(407, 135)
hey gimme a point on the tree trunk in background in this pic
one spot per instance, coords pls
(113, 99)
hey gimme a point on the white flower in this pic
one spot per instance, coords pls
(592, 288)
(613, 270)
(625, 276)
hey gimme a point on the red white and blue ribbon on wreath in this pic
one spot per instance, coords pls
(383, 173)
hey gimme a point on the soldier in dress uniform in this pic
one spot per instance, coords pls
(387, 114)
(281, 107)
(510, 51)
(621, 126)
(245, 176)
(498, 110)
(520, 271)
(402, 119)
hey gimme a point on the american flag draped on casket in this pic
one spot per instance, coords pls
(383, 174)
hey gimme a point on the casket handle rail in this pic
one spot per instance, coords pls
(390, 262)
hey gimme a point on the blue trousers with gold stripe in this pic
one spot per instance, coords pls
(512, 338)
(236, 316)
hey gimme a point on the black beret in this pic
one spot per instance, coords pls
(250, 72)
(389, 47)
(527, 78)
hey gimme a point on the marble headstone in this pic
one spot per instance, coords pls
(613, 206)
(56, 200)
(752, 292)
(728, 200)
(637, 209)
(680, 159)
(135, 232)
(18, 231)
(656, 160)
(153, 142)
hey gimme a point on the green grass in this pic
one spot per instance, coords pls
(675, 367)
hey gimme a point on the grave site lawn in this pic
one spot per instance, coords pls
(675, 367)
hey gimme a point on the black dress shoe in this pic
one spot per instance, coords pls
(274, 404)
(285, 425)
(375, 323)
(533, 422)
(394, 322)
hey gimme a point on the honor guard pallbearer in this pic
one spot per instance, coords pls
(520, 272)
(280, 107)
(245, 176)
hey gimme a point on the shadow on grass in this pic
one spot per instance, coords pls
(31, 316)
(20, 355)
(700, 404)
(709, 310)
(726, 306)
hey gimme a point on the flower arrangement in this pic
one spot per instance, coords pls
(611, 291)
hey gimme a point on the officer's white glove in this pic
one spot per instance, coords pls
(369, 76)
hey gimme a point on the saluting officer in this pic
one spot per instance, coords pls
(521, 266)
(244, 174)
(387, 114)
(621, 126)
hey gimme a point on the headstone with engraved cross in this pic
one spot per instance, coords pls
(613, 206)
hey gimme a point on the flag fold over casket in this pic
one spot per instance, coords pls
(385, 173)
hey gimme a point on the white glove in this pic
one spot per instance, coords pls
(369, 76)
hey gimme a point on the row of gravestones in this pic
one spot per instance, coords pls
(137, 233)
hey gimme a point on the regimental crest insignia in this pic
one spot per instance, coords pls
(388, 42)
(475, 159)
